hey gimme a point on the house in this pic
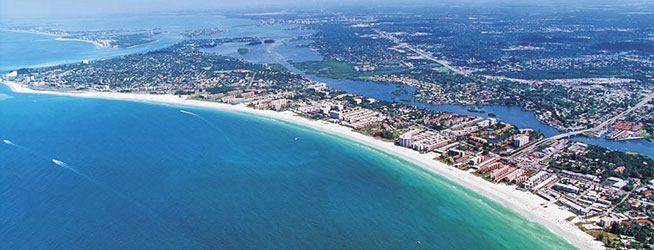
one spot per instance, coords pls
(619, 169)
(643, 222)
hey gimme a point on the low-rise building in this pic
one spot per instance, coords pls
(566, 188)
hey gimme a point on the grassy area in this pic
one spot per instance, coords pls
(278, 67)
(331, 68)
(607, 238)
(442, 69)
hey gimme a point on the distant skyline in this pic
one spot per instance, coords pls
(13, 9)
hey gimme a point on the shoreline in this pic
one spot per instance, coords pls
(97, 44)
(524, 203)
(59, 37)
(32, 32)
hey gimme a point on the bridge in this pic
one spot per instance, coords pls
(599, 127)
(531, 147)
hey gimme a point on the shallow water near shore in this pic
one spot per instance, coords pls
(82, 172)
(93, 173)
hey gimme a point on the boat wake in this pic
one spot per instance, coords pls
(189, 113)
(150, 212)
(55, 161)
(11, 143)
(201, 118)
(69, 168)
(5, 97)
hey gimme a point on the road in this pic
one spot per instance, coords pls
(445, 64)
(608, 211)
(531, 147)
(599, 127)
(420, 52)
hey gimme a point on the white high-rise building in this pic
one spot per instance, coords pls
(520, 140)
(405, 139)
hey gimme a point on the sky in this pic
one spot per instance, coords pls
(11, 9)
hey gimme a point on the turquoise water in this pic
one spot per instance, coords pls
(138, 175)
(90, 173)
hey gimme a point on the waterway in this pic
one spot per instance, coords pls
(289, 46)
(79, 173)
(283, 52)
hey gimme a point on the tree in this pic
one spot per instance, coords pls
(387, 135)
(641, 236)
(600, 237)
(615, 228)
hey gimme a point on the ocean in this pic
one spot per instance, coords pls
(93, 173)
(80, 173)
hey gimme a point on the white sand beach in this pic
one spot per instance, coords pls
(524, 203)
(59, 37)
(97, 44)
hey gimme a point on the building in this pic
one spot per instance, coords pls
(358, 117)
(501, 173)
(517, 177)
(279, 104)
(520, 140)
(566, 188)
(405, 139)
(236, 100)
(335, 115)
(476, 160)
(615, 182)
(456, 152)
(579, 176)
(535, 179)
(572, 205)
(12, 74)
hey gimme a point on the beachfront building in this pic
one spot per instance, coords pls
(428, 141)
(573, 206)
(517, 177)
(501, 173)
(533, 180)
(422, 140)
(357, 117)
(405, 139)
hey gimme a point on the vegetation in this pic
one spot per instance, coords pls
(332, 68)
(599, 160)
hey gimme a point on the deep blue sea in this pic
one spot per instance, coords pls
(79, 173)
(106, 174)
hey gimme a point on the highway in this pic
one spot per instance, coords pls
(420, 52)
(445, 64)
(531, 147)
